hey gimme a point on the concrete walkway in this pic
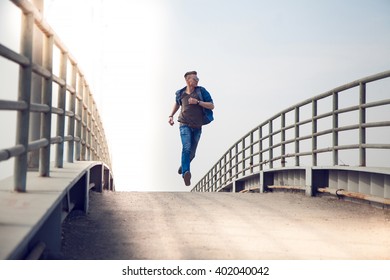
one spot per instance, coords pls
(191, 226)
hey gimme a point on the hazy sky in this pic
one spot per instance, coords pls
(255, 57)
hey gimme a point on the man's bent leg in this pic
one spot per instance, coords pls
(196, 133)
(186, 138)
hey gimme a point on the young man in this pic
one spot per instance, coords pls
(196, 110)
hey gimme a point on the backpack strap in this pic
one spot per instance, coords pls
(199, 92)
(207, 113)
(179, 95)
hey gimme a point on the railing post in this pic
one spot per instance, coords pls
(44, 153)
(208, 180)
(92, 128)
(216, 177)
(72, 119)
(243, 156)
(213, 179)
(335, 133)
(89, 126)
(362, 121)
(96, 137)
(61, 105)
(84, 119)
(270, 144)
(260, 148)
(225, 169)
(36, 92)
(283, 139)
(296, 136)
(230, 165)
(23, 116)
(251, 153)
(314, 131)
(236, 159)
(95, 131)
(79, 123)
(221, 182)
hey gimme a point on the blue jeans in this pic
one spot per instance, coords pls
(189, 139)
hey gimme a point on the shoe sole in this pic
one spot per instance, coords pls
(187, 178)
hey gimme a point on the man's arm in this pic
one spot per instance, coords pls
(207, 101)
(204, 104)
(207, 105)
(174, 110)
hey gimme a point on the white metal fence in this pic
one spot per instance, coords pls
(288, 138)
(43, 127)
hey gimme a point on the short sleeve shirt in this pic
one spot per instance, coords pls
(191, 114)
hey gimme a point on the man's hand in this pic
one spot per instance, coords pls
(192, 100)
(170, 121)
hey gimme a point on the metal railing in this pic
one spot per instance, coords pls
(266, 145)
(75, 108)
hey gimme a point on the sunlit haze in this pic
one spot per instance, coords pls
(255, 57)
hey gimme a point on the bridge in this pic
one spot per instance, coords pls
(277, 193)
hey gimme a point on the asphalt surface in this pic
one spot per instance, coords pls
(214, 226)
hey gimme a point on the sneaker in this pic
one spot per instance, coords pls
(187, 178)
(179, 170)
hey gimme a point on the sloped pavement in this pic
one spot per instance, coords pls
(203, 226)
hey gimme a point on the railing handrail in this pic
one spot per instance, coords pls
(234, 162)
(85, 127)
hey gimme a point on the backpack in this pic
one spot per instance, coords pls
(205, 96)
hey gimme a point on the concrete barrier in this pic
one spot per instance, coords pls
(30, 222)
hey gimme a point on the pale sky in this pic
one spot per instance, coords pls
(255, 57)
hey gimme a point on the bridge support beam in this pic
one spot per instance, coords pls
(261, 182)
(265, 179)
(387, 187)
(309, 182)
